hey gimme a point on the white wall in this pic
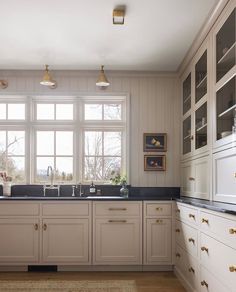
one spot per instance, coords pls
(154, 108)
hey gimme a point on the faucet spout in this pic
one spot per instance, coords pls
(50, 172)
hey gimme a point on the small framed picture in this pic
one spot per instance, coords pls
(154, 162)
(154, 142)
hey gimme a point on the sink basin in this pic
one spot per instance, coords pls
(105, 197)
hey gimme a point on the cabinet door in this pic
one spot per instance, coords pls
(117, 241)
(224, 176)
(158, 241)
(187, 181)
(19, 241)
(201, 170)
(66, 241)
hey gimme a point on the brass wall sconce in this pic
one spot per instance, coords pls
(3, 84)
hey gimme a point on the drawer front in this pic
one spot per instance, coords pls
(220, 259)
(155, 209)
(224, 228)
(117, 209)
(19, 209)
(186, 214)
(209, 283)
(186, 237)
(66, 209)
(188, 266)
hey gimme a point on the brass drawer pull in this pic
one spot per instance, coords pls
(44, 227)
(203, 248)
(204, 283)
(232, 231)
(36, 226)
(178, 255)
(117, 221)
(159, 209)
(191, 216)
(191, 270)
(191, 178)
(159, 221)
(117, 209)
(205, 221)
(177, 230)
(177, 210)
(192, 137)
(232, 269)
(191, 240)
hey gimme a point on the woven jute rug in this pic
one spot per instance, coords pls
(68, 286)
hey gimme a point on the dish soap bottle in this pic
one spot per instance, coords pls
(92, 189)
(124, 191)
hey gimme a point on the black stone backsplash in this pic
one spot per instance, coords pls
(105, 190)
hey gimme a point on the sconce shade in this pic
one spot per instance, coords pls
(118, 16)
(47, 79)
(102, 79)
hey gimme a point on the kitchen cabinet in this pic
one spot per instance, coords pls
(117, 233)
(157, 224)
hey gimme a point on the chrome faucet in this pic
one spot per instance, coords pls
(50, 170)
(80, 190)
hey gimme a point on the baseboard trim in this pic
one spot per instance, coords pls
(13, 268)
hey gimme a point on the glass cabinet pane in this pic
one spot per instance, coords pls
(187, 94)
(187, 135)
(225, 47)
(201, 77)
(225, 109)
(201, 126)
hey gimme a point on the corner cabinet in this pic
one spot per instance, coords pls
(224, 40)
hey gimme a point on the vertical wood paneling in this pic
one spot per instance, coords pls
(153, 108)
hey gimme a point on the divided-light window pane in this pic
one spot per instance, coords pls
(45, 142)
(112, 111)
(45, 111)
(3, 111)
(64, 111)
(93, 111)
(64, 143)
(16, 111)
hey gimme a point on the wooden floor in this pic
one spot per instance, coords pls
(145, 281)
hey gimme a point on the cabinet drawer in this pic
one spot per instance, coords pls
(220, 259)
(187, 214)
(155, 209)
(111, 209)
(186, 237)
(224, 228)
(209, 283)
(19, 209)
(188, 266)
(66, 209)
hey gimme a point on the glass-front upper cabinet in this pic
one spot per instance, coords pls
(201, 77)
(225, 47)
(201, 126)
(187, 94)
(187, 135)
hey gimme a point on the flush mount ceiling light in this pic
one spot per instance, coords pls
(102, 79)
(3, 84)
(118, 16)
(47, 79)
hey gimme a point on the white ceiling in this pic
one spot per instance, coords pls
(78, 34)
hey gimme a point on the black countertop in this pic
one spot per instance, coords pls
(210, 205)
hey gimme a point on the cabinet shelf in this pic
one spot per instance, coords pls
(187, 137)
(202, 82)
(224, 113)
(228, 56)
(187, 98)
(201, 128)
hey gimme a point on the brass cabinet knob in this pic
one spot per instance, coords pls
(117, 209)
(159, 221)
(232, 269)
(232, 231)
(117, 221)
(177, 210)
(177, 230)
(36, 226)
(192, 137)
(44, 226)
(191, 216)
(191, 270)
(204, 283)
(191, 240)
(191, 178)
(159, 209)
(178, 255)
(203, 248)
(205, 221)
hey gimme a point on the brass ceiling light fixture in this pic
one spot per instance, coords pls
(47, 79)
(118, 16)
(3, 84)
(102, 79)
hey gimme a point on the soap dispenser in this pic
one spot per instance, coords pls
(92, 188)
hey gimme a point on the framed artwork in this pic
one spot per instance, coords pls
(155, 162)
(154, 142)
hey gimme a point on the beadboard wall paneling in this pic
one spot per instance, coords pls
(154, 107)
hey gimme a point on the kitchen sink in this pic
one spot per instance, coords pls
(105, 197)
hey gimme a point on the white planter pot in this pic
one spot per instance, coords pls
(6, 188)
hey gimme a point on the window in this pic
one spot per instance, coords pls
(82, 138)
